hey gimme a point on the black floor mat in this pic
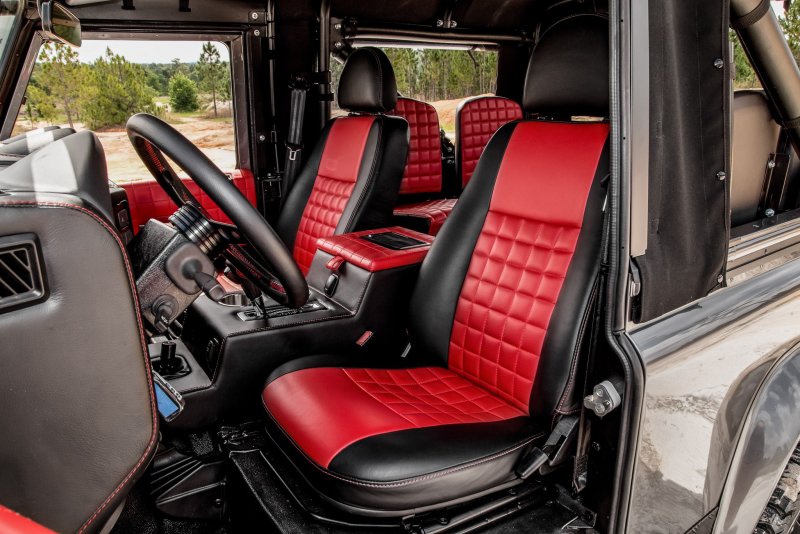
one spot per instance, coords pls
(139, 516)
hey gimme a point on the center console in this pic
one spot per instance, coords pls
(359, 287)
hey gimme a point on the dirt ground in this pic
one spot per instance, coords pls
(214, 136)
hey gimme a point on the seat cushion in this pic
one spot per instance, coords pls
(427, 216)
(395, 440)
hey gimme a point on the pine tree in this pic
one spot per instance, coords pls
(59, 79)
(211, 73)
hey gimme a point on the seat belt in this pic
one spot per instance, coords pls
(300, 86)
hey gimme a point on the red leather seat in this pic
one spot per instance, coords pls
(477, 119)
(422, 176)
(351, 177)
(496, 323)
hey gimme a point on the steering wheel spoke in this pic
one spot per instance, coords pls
(250, 243)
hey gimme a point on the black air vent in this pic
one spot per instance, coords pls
(21, 280)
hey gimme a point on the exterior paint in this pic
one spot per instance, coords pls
(704, 364)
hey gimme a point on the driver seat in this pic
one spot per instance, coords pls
(497, 319)
(351, 179)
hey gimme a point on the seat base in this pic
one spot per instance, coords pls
(390, 442)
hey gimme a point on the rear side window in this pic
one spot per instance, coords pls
(101, 84)
(441, 77)
(10, 17)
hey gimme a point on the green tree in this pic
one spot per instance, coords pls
(743, 74)
(59, 80)
(211, 73)
(182, 93)
(115, 90)
(790, 23)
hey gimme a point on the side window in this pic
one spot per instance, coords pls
(443, 78)
(101, 84)
(765, 169)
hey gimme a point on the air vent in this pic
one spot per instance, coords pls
(21, 280)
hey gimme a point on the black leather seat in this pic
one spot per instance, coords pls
(497, 315)
(352, 176)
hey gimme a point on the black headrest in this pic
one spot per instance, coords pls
(568, 71)
(367, 83)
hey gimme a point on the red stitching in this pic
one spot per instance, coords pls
(131, 281)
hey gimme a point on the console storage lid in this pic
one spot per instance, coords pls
(377, 250)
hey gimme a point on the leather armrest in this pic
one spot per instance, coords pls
(371, 256)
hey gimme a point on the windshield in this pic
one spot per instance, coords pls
(10, 16)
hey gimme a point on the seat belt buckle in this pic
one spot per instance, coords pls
(294, 150)
(335, 263)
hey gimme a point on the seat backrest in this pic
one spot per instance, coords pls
(78, 417)
(351, 178)
(755, 137)
(477, 119)
(423, 171)
(506, 289)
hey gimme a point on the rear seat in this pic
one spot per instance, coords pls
(755, 139)
(476, 121)
(15, 148)
(423, 173)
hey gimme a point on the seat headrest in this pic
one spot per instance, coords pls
(568, 70)
(367, 83)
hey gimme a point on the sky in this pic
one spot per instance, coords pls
(147, 51)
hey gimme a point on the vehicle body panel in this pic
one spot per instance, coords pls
(704, 365)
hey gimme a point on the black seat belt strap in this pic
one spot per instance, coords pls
(300, 86)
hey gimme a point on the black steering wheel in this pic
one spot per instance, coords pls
(250, 239)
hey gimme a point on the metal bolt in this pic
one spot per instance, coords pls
(262, 137)
(595, 446)
(338, 44)
(771, 164)
(769, 212)
(599, 409)
(598, 392)
(254, 15)
(256, 32)
(337, 26)
(453, 24)
(720, 278)
(443, 520)
(721, 175)
(439, 23)
(718, 63)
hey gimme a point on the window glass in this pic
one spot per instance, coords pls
(10, 15)
(102, 83)
(441, 77)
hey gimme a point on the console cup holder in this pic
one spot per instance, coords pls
(236, 300)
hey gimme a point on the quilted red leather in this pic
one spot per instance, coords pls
(13, 523)
(423, 172)
(478, 119)
(434, 211)
(522, 256)
(371, 256)
(336, 178)
(388, 400)
(147, 200)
